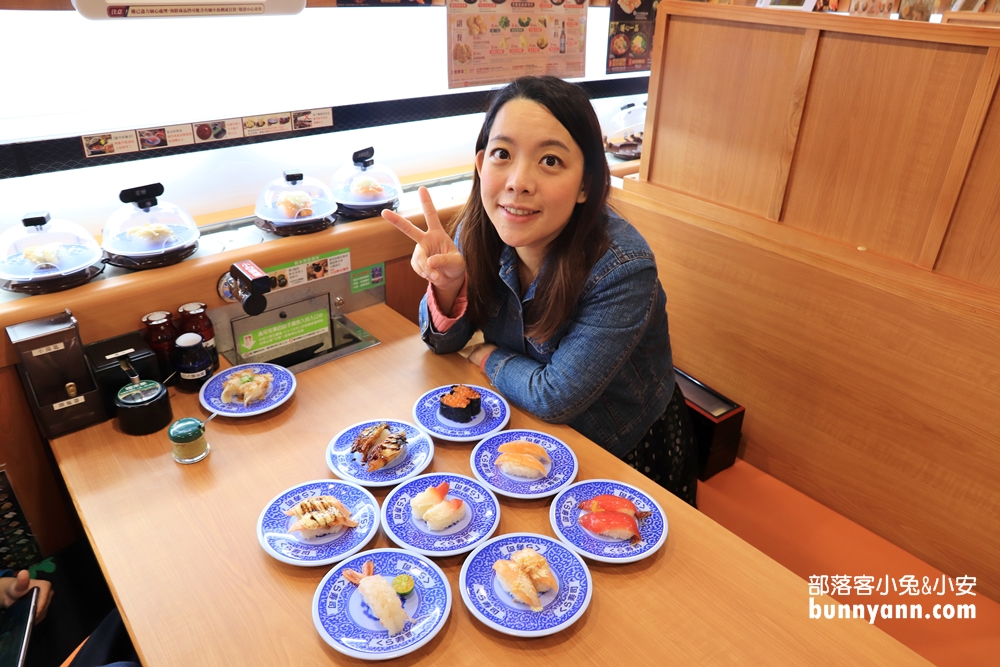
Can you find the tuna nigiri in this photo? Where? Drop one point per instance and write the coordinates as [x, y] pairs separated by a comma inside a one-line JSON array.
[[516, 582], [609, 503], [427, 499], [616, 525], [520, 465], [524, 447], [380, 596], [537, 568]]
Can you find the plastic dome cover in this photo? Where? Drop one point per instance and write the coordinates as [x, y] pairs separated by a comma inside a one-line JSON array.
[[293, 199], [631, 120], [364, 183], [132, 231], [49, 250]]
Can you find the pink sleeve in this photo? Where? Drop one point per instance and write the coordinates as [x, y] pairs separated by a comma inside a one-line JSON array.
[[440, 321]]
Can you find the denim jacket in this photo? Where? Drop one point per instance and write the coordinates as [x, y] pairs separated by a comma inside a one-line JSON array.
[[608, 371]]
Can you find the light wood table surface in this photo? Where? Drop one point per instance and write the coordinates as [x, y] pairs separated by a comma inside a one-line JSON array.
[[178, 547]]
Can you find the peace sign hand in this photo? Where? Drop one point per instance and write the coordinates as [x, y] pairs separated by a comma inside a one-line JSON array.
[[435, 257]]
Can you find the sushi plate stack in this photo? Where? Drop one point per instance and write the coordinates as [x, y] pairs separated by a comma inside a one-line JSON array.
[[485, 597], [417, 455], [493, 415], [570, 508], [478, 520], [290, 547], [347, 622], [560, 464]]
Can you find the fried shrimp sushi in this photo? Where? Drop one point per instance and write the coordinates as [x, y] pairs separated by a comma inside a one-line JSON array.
[[516, 582], [521, 465], [537, 568], [525, 447], [380, 596]]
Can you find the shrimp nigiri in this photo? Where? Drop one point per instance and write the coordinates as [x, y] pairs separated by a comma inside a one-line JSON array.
[[617, 525], [516, 582], [380, 596], [537, 568], [609, 503]]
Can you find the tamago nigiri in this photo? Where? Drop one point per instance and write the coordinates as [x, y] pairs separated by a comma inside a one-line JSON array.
[[380, 596]]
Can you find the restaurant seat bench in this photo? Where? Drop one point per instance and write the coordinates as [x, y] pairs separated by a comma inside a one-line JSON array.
[[810, 539]]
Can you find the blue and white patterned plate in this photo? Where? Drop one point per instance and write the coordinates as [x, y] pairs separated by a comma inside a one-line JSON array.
[[416, 456], [565, 514], [281, 389], [292, 548], [482, 516], [494, 416], [561, 471], [488, 601], [347, 624]]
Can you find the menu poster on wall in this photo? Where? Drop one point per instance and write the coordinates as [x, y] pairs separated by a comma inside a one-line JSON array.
[[490, 42], [630, 36]]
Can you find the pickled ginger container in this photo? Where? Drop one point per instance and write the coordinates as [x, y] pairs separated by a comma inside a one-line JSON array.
[[46, 255], [295, 204], [364, 189], [146, 233]]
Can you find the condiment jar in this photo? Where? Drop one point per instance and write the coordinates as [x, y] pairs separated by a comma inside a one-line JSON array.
[[187, 437], [160, 333], [192, 361], [194, 319]]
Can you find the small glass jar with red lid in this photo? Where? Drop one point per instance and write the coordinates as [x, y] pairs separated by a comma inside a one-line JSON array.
[[161, 333], [194, 319]]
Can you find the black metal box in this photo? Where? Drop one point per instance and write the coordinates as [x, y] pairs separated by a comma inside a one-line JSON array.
[[717, 423]]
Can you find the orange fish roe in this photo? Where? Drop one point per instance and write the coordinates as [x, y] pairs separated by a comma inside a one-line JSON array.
[[460, 396]]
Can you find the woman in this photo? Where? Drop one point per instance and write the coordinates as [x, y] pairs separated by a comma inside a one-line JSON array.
[[564, 290]]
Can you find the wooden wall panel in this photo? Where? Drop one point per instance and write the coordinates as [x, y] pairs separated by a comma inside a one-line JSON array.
[[878, 133], [25, 458], [722, 118], [875, 404], [971, 248]]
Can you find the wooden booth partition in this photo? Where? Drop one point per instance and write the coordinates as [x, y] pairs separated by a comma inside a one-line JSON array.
[[820, 192]]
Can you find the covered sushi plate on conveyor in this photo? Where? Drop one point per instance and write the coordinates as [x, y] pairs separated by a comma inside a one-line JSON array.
[[363, 189], [46, 255], [146, 233], [295, 204]]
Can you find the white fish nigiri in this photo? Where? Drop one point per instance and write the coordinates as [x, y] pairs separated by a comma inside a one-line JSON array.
[[425, 500], [380, 596], [445, 513]]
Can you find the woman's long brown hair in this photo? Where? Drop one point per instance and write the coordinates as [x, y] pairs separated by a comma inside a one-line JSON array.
[[582, 242]]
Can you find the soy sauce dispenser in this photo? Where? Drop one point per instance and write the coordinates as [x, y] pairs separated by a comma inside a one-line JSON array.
[[57, 379]]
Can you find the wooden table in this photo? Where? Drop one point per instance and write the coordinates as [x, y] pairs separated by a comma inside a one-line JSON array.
[[177, 543]]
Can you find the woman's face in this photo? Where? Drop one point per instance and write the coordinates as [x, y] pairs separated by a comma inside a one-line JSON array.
[[531, 175]]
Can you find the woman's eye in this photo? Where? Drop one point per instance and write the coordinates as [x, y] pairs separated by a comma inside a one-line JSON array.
[[501, 154], [551, 161]]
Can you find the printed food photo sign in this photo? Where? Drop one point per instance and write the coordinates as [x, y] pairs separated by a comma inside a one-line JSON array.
[[496, 42], [630, 35]]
